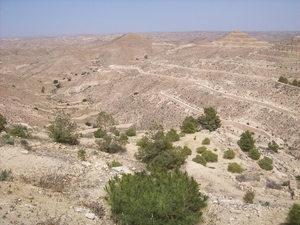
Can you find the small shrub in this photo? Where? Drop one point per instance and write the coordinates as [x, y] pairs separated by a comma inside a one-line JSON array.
[[241, 178], [294, 215], [206, 141], [114, 163], [254, 154], [2, 122], [88, 124], [298, 178], [81, 154], [111, 145], [186, 151], [210, 156], [55, 81], [200, 159], [96, 208], [273, 185], [266, 163], [246, 141], [5, 174], [201, 149], [229, 154], [19, 131], [249, 196], [63, 130], [130, 132], [234, 168], [25, 145], [99, 133], [189, 125], [286, 183], [84, 100], [273, 146], [123, 138]]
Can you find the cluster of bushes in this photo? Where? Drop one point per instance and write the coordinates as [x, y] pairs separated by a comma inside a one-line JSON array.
[[158, 152], [286, 81], [206, 156], [164, 198], [210, 121]]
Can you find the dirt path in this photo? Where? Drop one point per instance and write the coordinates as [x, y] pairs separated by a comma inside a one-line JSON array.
[[199, 82]]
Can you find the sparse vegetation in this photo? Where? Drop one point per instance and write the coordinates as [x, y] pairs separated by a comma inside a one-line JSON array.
[[246, 141], [266, 163], [111, 144], [158, 198], [114, 163], [81, 154], [25, 144], [105, 120], [273, 146], [249, 197], [5, 174], [206, 141], [63, 130], [200, 159], [19, 130], [235, 168], [99, 133], [229, 154], [2, 122]]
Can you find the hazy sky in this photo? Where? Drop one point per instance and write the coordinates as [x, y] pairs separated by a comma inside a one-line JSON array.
[[19, 18]]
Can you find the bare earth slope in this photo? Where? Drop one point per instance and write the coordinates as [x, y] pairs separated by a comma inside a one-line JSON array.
[[145, 79]]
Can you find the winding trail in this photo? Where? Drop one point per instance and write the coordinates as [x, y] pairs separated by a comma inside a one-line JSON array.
[[200, 83]]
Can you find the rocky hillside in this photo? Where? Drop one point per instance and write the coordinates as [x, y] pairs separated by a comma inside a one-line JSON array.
[[141, 80]]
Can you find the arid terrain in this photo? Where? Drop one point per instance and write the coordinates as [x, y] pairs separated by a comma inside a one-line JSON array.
[[142, 79]]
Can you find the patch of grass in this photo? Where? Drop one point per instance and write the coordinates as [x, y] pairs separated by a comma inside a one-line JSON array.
[[285, 183], [114, 163], [54, 182], [5, 175], [81, 154]]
